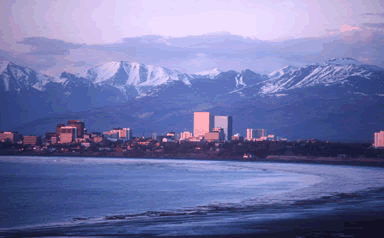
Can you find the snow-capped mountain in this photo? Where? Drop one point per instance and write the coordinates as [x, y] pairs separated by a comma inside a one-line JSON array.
[[332, 72], [17, 78], [123, 75], [330, 98], [208, 73]]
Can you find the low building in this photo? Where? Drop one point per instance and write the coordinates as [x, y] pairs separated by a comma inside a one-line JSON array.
[[253, 134], [168, 139], [212, 136], [7, 136], [379, 139], [30, 140], [185, 135], [221, 133], [97, 139], [171, 134], [237, 137]]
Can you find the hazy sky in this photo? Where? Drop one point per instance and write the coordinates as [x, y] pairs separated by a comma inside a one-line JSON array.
[[99, 22], [95, 22]]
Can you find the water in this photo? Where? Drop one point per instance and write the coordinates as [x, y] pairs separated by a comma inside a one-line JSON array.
[[45, 196]]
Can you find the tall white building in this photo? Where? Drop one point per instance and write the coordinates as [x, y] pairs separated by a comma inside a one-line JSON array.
[[224, 122], [203, 123], [379, 140]]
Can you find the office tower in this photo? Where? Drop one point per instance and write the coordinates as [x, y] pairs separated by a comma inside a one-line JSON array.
[[224, 122], [202, 123], [79, 125], [68, 134], [120, 133], [58, 129], [259, 133], [379, 139]]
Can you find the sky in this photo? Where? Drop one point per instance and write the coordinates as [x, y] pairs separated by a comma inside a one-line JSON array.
[[52, 36]]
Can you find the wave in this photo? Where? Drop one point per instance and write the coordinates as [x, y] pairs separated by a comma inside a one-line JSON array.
[[107, 224]]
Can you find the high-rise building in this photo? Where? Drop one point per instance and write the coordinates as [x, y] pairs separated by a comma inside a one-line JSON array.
[[119, 133], [203, 123], [68, 134], [58, 129], [379, 139], [79, 125], [259, 133], [224, 122]]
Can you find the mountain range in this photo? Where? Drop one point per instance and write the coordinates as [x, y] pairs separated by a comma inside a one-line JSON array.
[[340, 99]]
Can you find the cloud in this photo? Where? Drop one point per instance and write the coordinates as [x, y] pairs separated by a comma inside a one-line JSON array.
[[345, 28], [46, 46], [374, 25], [369, 14], [197, 53]]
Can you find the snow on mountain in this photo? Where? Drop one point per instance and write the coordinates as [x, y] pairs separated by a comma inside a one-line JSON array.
[[282, 71], [3, 66], [209, 73], [100, 73], [124, 75], [239, 81], [18, 78], [334, 71]]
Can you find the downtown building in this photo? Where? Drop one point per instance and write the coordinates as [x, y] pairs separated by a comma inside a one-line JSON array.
[[119, 134], [68, 134], [224, 122], [212, 128], [379, 140], [255, 134], [203, 123]]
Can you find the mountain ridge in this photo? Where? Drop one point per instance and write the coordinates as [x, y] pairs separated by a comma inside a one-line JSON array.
[[286, 100]]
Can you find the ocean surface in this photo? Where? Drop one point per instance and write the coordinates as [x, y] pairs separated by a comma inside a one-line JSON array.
[[69, 196]]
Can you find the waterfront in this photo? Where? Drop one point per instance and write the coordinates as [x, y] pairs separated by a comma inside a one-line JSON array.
[[73, 196]]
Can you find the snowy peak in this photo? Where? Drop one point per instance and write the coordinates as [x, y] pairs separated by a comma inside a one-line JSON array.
[[125, 76], [332, 72], [212, 73], [18, 78], [3, 66], [285, 70]]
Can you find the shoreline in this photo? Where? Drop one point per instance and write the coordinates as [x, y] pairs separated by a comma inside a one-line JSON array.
[[372, 162]]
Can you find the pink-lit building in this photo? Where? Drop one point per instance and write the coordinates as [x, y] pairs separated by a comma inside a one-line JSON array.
[[68, 134], [30, 140], [185, 135], [7, 136], [119, 133], [379, 139], [202, 123]]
